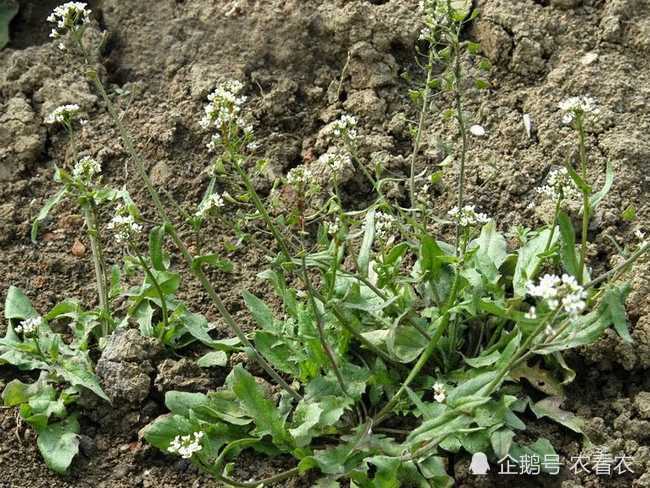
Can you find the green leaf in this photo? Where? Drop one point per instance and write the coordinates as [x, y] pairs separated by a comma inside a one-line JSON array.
[[306, 416], [483, 360], [156, 237], [213, 358], [501, 441], [267, 417], [59, 443], [539, 378], [582, 185], [17, 305], [405, 343], [598, 197], [198, 327], [629, 213], [260, 311], [528, 261], [613, 310], [212, 260], [17, 392], [181, 402], [47, 208], [569, 258], [363, 260], [162, 431], [550, 407], [77, 375], [8, 9]]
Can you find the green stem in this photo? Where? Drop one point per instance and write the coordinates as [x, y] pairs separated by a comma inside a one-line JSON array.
[[558, 206], [90, 217], [586, 210], [161, 295], [197, 271], [425, 355], [458, 98], [418, 135]]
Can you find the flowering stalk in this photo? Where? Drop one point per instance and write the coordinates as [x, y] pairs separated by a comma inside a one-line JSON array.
[[90, 216], [156, 285], [418, 135], [196, 270], [586, 210]]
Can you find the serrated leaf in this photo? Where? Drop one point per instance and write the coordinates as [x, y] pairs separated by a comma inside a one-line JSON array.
[[568, 247], [77, 375], [539, 378], [598, 197], [613, 310], [59, 443], [501, 441], [156, 237], [363, 260], [483, 360], [550, 407], [45, 211], [260, 311], [17, 305], [212, 359], [267, 417], [528, 261], [306, 416], [213, 260]]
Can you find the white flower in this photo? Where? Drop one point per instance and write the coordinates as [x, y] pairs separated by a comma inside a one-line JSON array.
[[252, 146], [299, 177], [346, 126], [70, 16], [385, 226], [468, 216], [29, 326], [215, 142], [558, 185], [225, 106], [333, 227], [124, 226], [186, 445], [531, 314], [577, 105], [63, 114], [213, 202], [555, 291], [85, 169], [477, 130], [439, 392], [337, 162], [423, 194], [640, 235]]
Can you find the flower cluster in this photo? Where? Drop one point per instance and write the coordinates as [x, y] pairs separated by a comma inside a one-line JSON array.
[[29, 326], [225, 107], [213, 202], [186, 445], [439, 392], [337, 162], [346, 127], [124, 226], [71, 16], [299, 177], [334, 226], [86, 169], [565, 291], [468, 216], [385, 225], [64, 114], [559, 185], [435, 13], [423, 195], [577, 105]]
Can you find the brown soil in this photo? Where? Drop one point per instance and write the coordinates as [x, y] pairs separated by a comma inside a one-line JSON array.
[[169, 54]]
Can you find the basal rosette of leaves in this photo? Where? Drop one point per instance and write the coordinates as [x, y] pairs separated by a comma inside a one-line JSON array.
[[379, 318], [391, 348], [47, 404]]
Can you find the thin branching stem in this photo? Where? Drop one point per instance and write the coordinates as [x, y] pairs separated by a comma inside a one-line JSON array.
[[156, 285], [187, 256]]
